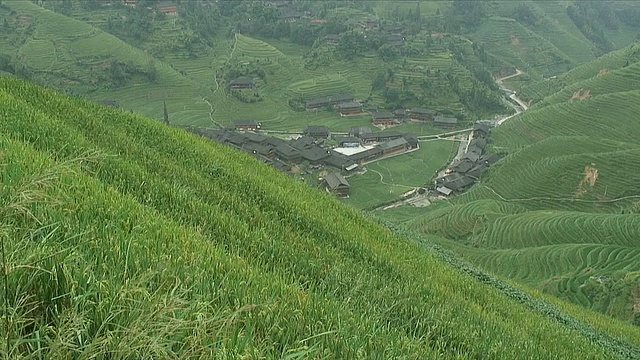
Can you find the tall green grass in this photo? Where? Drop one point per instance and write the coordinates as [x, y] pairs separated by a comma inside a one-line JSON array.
[[159, 244]]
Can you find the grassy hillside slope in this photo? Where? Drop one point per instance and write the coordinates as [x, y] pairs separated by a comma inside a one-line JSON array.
[[560, 212], [124, 238]]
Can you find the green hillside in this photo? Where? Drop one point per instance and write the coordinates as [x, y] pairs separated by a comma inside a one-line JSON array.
[[125, 238], [560, 212]]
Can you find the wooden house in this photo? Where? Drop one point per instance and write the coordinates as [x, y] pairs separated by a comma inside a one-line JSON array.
[[350, 108], [337, 184], [168, 8], [331, 100], [445, 122], [421, 114], [382, 118], [318, 132], [242, 83], [246, 125], [394, 146]]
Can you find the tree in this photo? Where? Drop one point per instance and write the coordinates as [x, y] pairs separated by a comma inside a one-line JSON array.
[[524, 13], [166, 114]]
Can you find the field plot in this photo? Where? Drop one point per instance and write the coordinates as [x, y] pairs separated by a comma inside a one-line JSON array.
[[387, 179]]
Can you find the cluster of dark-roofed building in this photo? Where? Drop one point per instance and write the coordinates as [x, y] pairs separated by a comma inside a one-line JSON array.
[[309, 149], [467, 170], [347, 105]]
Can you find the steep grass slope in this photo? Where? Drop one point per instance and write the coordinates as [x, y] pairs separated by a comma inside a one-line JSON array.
[[560, 212], [124, 238]]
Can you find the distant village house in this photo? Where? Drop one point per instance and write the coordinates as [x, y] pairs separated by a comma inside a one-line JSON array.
[[337, 184], [350, 108], [445, 122], [383, 119], [318, 132], [421, 114], [247, 125], [242, 83], [168, 8]]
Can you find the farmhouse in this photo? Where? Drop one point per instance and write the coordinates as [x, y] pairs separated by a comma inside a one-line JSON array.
[[329, 101], [246, 125], [421, 114], [315, 131], [383, 118], [412, 140], [445, 122], [258, 149], [131, 3], [462, 166], [303, 142], [400, 114], [480, 129], [337, 184], [315, 155], [242, 83], [366, 155], [394, 146], [168, 8], [489, 159], [456, 182], [256, 138], [444, 190], [287, 153], [340, 161], [380, 136], [350, 108], [349, 142], [359, 131], [477, 171], [233, 138], [395, 40]]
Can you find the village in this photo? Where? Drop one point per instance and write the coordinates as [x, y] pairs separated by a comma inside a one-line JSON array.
[[336, 156]]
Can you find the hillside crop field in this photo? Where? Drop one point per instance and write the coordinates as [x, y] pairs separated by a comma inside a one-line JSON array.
[[560, 212], [123, 237]]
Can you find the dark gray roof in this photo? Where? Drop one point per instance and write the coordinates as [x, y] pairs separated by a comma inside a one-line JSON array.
[[302, 142], [393, 143], [365, 154], [484, 128], [479, 142], [275, 142], [445, 120], [332, 99], [472, 156], [382, 115], [338, 160], [234, 138], [315, 153], [382, 135], [412, 139], [287, 151], [457, 182], [256, 138], [257, 149], [350, 105], [474, 149], [423, 111], [462, 166], [477, 170], [335, 180]]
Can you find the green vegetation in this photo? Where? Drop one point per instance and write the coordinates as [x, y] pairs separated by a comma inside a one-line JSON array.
[[559, 214], [387, 179], [124, 237]]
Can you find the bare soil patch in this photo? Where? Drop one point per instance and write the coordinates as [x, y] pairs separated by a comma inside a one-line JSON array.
[[581, 94], [603, 71], [515, 41], [590, 178]]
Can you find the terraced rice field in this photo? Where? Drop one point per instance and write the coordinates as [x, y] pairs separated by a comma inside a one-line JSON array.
[[320, 86], [559, 213], [39, 54], [514, 43]]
